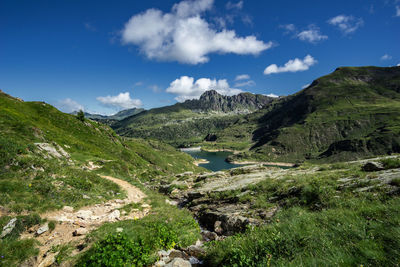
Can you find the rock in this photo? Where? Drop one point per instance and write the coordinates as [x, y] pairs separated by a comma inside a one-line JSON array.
[[42, 229], [178, 262], [68, 209], [85, 196], [80, 231], [48, 261], [120, 229], [84, 214], [173, 253], [372, 167], [171, 202], [119, 201], [9, 227], [195, 251], [159, 264], [218, 227], [209, 236], [114, 215], [195, 261]]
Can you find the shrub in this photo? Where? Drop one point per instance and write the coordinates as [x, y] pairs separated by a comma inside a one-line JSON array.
[[117, 250], [80, 116]]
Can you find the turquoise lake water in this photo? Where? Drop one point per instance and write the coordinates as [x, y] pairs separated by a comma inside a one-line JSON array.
[[216, 159]]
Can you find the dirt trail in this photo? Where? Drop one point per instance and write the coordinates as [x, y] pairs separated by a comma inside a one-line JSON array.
[[72, 226]]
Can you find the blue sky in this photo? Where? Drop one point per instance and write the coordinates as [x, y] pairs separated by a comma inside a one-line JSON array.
[[105, 56]]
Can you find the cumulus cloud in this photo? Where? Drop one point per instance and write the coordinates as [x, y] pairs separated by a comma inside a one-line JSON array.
[[272, 95], [120, 101], [186, 88], [293, 65], [386, 57], [243, 80], [242, 77], [183, 35], [311, 35], [238, 5], [245, 83], [68, 105], [347, 24]]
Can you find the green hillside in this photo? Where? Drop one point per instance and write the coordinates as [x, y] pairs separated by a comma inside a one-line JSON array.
[[49, 159], [187, 123], [353, 112]]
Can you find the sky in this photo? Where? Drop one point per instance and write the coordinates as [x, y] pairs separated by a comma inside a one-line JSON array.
[[106, 56]]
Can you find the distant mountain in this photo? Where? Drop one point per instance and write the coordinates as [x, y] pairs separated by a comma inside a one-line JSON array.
[[191, 121], [352, 112], [241, 103], [118, 116]]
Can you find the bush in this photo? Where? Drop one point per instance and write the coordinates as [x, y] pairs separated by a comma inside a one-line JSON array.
[[80, 116], [118, 250]]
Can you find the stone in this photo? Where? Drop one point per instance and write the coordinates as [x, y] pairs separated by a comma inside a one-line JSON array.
[[195, 251], [84, 214], [114, 215], [80, 231], [218, 227], [48, 261], [173, 253], [178, 262], [68, 209], [372, 167], [9, 227], [209, 236], [159, 264], [171, 202], [42, 229]]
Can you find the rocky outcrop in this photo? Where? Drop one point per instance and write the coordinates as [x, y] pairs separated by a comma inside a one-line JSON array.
[[242, 103]]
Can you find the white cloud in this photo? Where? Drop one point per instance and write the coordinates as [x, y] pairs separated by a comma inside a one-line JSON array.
[[245, 83], [238, 5], [242, 77], [293, 65], [305, 86], [347, 24], [397, 11], [288, 27], [186, 88], [312, 35], [120, 101], [386, 57], [184, 36], [68, 105], [272, 95], [398, 65]]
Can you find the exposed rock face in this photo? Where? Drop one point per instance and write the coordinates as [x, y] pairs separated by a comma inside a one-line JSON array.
[[213, 101]]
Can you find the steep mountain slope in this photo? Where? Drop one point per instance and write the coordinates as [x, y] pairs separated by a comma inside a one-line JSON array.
[[349, 113], [38, 139], [49, 160], [190, 122]]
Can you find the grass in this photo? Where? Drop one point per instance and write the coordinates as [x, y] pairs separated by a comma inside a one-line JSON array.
[[164, 228], [320, 222], [34, 182]]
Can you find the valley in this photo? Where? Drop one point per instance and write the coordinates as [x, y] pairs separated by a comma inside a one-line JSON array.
[[307, 179]]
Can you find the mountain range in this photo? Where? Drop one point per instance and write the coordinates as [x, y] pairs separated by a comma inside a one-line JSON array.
[[352, 112]]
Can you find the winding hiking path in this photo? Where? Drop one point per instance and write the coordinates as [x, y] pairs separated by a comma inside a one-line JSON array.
[[73, 225]]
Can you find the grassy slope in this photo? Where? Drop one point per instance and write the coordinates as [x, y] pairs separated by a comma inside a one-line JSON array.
[[30, 183], [353, 110], [324, 220], [175, 125]]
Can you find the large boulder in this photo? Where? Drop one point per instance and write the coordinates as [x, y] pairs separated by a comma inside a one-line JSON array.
[[372, 167]]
